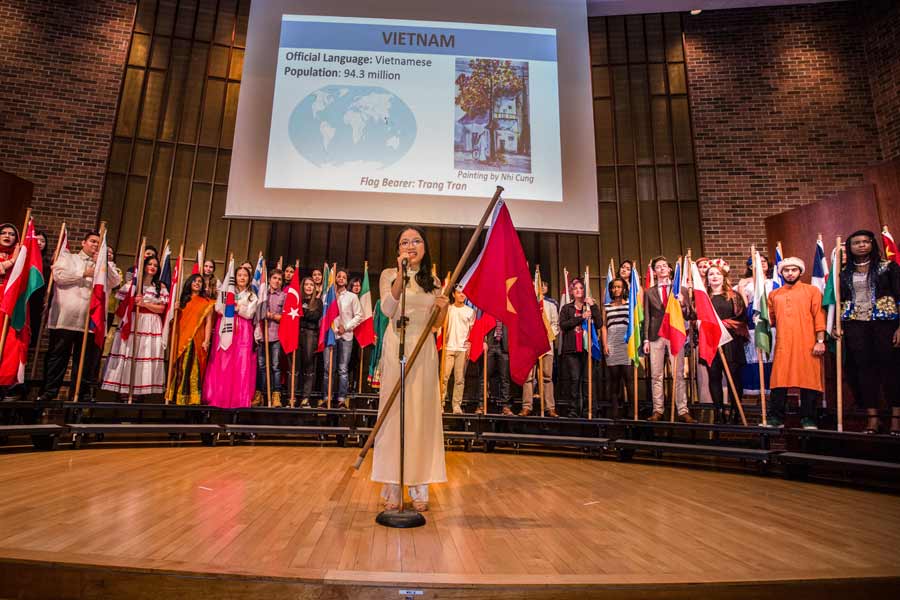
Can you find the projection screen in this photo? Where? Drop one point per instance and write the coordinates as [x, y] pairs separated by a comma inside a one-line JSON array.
[[408, 111]]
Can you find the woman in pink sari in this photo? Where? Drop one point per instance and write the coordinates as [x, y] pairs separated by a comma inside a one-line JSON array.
[[231, 376]]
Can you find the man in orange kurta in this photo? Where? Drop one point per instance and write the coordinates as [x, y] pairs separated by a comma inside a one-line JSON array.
[[795, 310]]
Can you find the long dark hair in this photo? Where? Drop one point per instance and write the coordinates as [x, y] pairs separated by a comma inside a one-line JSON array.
[[423, 277], [186, 292], [874, 257], [155, 280], [313, 299]]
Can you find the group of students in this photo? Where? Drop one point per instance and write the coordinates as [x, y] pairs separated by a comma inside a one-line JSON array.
[[234, 375], [204, 370], [870, 325]]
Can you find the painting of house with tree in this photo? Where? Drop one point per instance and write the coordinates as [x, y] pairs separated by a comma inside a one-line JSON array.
[[492, 130]]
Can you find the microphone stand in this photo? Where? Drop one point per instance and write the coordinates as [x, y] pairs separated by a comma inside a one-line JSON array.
[[399, 518]]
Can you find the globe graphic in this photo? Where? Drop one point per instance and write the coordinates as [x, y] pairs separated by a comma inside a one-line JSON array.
[[340, 125]]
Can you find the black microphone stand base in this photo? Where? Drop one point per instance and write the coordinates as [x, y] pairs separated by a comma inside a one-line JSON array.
[[400, 519]]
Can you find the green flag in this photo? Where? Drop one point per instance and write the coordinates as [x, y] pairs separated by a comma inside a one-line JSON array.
[[763, 328]]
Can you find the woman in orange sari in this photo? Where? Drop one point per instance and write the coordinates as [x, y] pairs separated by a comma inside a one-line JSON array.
[[192, 343]]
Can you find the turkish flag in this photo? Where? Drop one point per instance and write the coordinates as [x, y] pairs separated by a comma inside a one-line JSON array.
[[289, 326], [499, 283]]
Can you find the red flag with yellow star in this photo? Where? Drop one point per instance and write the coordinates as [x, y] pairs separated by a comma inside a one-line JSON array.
[[500, 285]]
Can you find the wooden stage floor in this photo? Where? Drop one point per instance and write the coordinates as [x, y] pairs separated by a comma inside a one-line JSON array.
[[295, 522]]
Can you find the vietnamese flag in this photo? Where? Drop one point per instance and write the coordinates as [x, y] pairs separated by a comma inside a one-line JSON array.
[[499, 283], [289, 326], [365, 331], [25, 278]]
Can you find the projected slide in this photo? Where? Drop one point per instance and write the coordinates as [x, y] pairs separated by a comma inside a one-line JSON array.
[[415, 107]]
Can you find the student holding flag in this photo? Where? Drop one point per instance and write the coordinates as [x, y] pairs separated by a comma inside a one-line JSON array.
[[619, 370], [574, 362], [73, 275], [424, 456], [460, 320], [550, 313], [732, 312], [21, 280], [148, 348], [343, 313], [271, 303], [747, 289], [231, 376], [665, 311], [796, 309], [191, 342], [310, 317], [870, 297]]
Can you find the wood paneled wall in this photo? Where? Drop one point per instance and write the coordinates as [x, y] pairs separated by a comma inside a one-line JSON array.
[[168, 166]]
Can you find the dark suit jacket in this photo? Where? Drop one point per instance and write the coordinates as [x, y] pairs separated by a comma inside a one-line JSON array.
[[654, 312], [568, 322], [504, 340]]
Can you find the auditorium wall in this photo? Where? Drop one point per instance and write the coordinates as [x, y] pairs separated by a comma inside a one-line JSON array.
[[778, 106], [60, 73], [882, 44], [783, 111]]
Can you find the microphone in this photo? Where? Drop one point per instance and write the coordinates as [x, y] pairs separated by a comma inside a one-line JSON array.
[[405, 263]]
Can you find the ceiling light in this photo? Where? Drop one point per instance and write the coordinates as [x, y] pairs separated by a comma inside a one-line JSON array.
[[696, 11]]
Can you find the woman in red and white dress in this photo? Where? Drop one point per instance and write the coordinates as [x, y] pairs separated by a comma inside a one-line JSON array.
[[149, 370]]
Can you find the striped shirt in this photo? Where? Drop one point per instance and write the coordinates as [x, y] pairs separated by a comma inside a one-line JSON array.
[[616, 327]]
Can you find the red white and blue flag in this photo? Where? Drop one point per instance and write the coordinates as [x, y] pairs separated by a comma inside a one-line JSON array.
[[226, 305]]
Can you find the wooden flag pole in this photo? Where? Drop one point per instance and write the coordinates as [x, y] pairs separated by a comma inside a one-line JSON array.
[[691, 362], [731, 386], [3, 335], [293, 374], [87, 320], [45, 309], [762, 387], [265, 325], [484, 385], [362, 356], [590, 355], [173, 334], [330, 375], [25, 275], [541, 383], [443, 366], [673, 363], [426, 332], [634, 392], [839, 345], [759, 354], [138, 293]]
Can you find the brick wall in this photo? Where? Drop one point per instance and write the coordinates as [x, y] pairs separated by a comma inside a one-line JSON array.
[[882, 44], [782, 114], [60, 71]]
